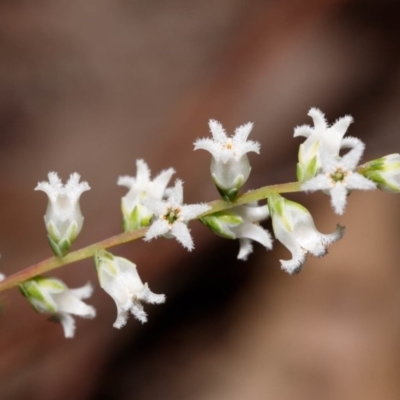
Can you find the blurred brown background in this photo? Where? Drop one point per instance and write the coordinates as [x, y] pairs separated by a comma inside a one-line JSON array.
[[90, 86]]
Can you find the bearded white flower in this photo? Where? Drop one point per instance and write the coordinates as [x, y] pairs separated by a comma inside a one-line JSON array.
[[120, 279], [63, 218], [294, 227], [384, 171], [135, 214], [51, 295], [230, 166], [171, 216], [339, 175], [241, 223], [321, 135]]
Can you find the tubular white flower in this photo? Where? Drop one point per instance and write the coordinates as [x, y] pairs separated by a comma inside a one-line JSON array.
[[120, 279], [321, 135], [338, 175], [329, 136], [63, 218], [171, 216], [51, 295], [135, 214], [241, 223], [384, 171], [230, 166], [294, 227]]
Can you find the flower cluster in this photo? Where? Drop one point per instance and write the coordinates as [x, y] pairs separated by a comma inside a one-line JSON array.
[[151, 204], [292, 224], [148, 202]]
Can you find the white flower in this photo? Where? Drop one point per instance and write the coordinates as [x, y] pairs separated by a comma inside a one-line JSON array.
[[294, 227], [384, 171], [51, 295], [230, 167], [171, 216], [329, 136], [339, 175], [241, 223], [120, 279], [63, 217], [321, 135], [135, 214]]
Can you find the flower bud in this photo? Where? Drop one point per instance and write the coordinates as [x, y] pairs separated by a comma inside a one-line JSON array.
[[308, 165], [222, 223], [384, 171]]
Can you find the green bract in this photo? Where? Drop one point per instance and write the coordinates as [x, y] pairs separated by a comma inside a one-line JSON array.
[[221, 223], [308, 165], [243, 223], [37, 291]]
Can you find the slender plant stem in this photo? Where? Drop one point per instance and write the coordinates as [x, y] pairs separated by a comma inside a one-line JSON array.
[[54, 262], [253, 195]]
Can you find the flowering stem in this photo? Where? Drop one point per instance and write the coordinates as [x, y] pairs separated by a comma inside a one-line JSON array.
[[55, 262], [253, 195]]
